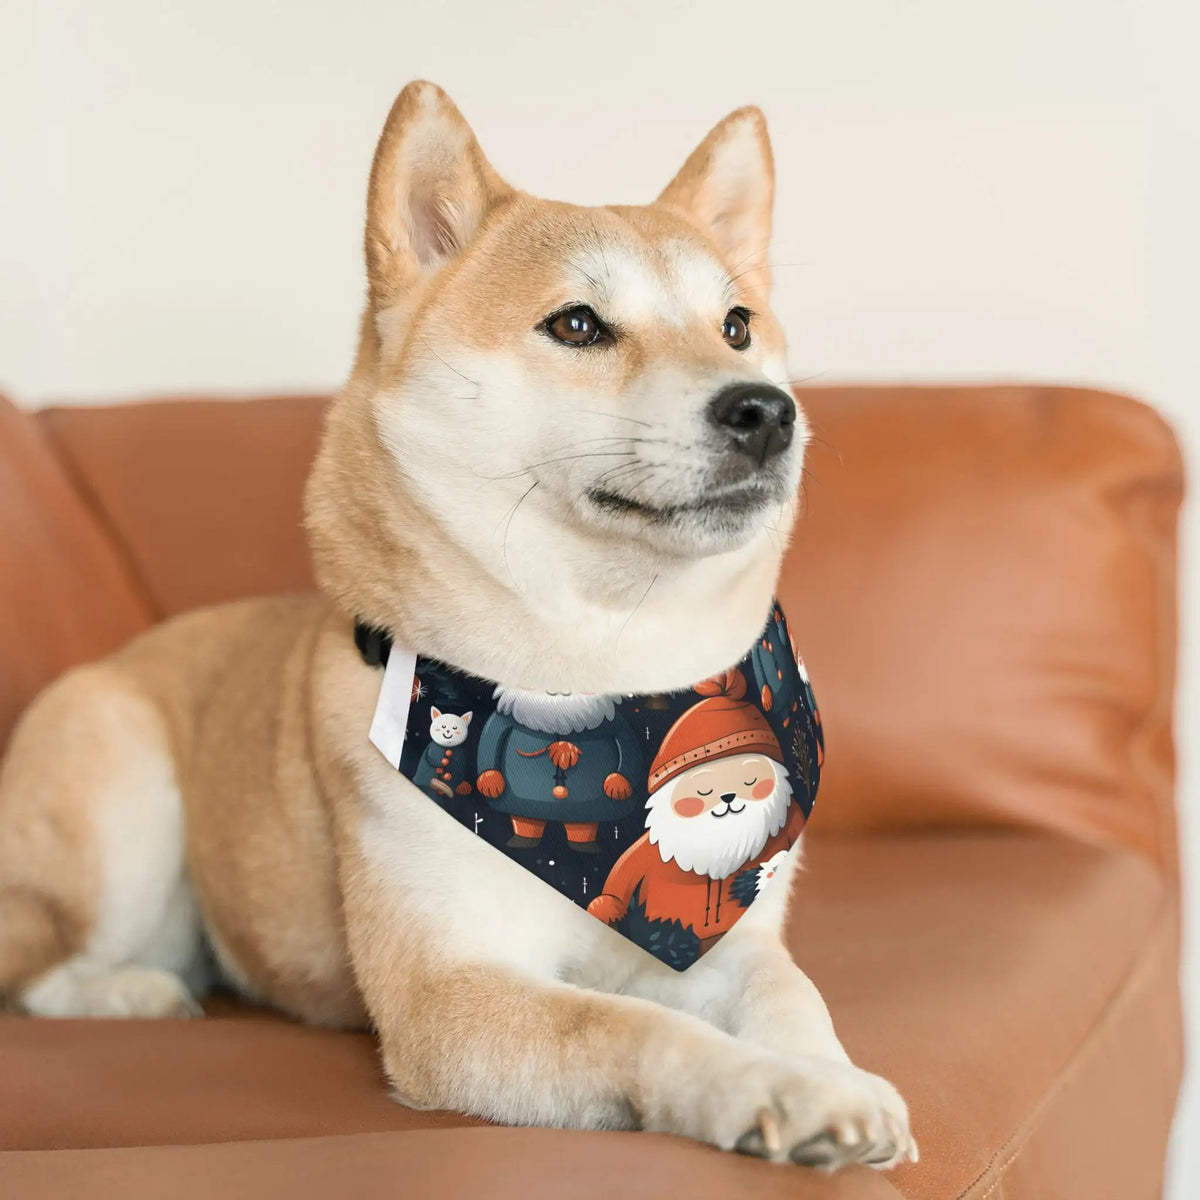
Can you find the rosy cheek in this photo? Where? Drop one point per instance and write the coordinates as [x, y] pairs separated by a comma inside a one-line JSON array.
[[688, 806], [763, 789]]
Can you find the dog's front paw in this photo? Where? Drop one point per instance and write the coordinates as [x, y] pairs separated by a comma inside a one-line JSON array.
[[818, 1112], [866, 1122]]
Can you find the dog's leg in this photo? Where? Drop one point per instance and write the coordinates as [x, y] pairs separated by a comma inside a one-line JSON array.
[[748, 986], [488, 1041], [96, 917], [462, 976], [754, 992]]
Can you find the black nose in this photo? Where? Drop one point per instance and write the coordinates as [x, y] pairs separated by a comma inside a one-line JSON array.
[[729, 797], [758, 419]]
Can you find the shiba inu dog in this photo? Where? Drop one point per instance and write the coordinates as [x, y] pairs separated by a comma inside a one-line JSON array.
[[564, 461]]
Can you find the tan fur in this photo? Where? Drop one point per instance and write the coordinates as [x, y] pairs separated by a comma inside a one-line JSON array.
[[217, 771]]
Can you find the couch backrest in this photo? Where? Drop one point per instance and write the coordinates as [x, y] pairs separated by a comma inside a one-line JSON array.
[[206, 493], [982, 585], [65, 593]]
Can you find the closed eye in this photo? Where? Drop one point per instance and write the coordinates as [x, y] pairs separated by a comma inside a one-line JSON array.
[[700, 793], [750, 782]]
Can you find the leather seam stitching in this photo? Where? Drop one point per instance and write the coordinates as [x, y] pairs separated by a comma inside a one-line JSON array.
[[1029, 1126]]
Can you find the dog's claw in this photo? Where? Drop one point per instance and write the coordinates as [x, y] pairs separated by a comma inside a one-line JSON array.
[[768, 1125]]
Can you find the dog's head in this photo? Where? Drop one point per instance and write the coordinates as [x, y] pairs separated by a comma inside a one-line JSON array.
[[601, 387]]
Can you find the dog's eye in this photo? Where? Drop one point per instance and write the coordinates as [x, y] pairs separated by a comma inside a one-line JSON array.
[[575, 326], [749, 782], [736, 330], [700, 793]]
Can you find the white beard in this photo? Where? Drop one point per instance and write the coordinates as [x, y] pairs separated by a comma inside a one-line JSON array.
[[554, 712], [717, 847]]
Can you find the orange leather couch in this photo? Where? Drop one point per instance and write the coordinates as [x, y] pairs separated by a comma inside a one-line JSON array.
[[984, 589]]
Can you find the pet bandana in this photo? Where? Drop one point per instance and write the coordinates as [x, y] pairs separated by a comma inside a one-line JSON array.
[[663, 815]]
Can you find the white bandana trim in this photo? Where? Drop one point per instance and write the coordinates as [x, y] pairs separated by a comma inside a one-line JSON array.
[[390, 723]]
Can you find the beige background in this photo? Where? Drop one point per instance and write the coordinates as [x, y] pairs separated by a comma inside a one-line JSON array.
[[967, 190]]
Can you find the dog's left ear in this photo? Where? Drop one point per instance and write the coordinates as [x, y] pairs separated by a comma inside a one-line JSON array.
[[727, 185]]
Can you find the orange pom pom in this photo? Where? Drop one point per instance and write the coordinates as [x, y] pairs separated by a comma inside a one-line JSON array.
[[732, 684], [563, 755]]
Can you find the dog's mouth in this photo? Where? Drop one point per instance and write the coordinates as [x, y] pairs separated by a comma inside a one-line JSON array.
[[734, 502], [728, 809]]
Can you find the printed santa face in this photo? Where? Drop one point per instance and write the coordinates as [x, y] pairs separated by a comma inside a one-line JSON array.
[[716, 816]]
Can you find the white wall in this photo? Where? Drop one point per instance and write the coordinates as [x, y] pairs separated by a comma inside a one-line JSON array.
[[966, 189]]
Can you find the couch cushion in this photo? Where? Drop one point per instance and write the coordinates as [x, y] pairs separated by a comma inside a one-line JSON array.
[[480, 1164], [983, 586], [1019, 989], [206, 493], [65, 595]]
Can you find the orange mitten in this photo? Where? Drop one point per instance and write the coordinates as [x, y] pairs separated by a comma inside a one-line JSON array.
[[490, 784], [616, 787], [607, 908]]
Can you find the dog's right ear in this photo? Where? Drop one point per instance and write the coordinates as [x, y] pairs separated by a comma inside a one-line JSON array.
[[430, 189], [728, 186]]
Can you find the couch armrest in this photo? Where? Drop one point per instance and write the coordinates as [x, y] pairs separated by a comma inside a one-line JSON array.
[[65, 594]]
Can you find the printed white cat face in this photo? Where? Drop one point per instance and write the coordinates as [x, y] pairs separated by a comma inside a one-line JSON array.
[[446, 729]]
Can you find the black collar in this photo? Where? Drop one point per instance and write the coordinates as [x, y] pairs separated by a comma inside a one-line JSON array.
[[374, 643]]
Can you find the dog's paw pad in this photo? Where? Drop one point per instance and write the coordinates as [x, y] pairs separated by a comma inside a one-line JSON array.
[[752, 1143], [820, 1151]]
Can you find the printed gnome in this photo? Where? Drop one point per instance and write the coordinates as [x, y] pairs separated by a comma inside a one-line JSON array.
[[720, 816], [562, 757]]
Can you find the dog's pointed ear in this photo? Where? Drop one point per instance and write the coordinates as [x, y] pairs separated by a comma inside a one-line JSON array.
[[430, 189], [727, 185]]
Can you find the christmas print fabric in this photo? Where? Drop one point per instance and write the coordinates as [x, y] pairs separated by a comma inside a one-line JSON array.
[[663, 815]]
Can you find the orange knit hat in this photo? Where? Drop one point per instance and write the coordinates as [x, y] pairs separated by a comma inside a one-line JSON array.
[[720, 725]]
